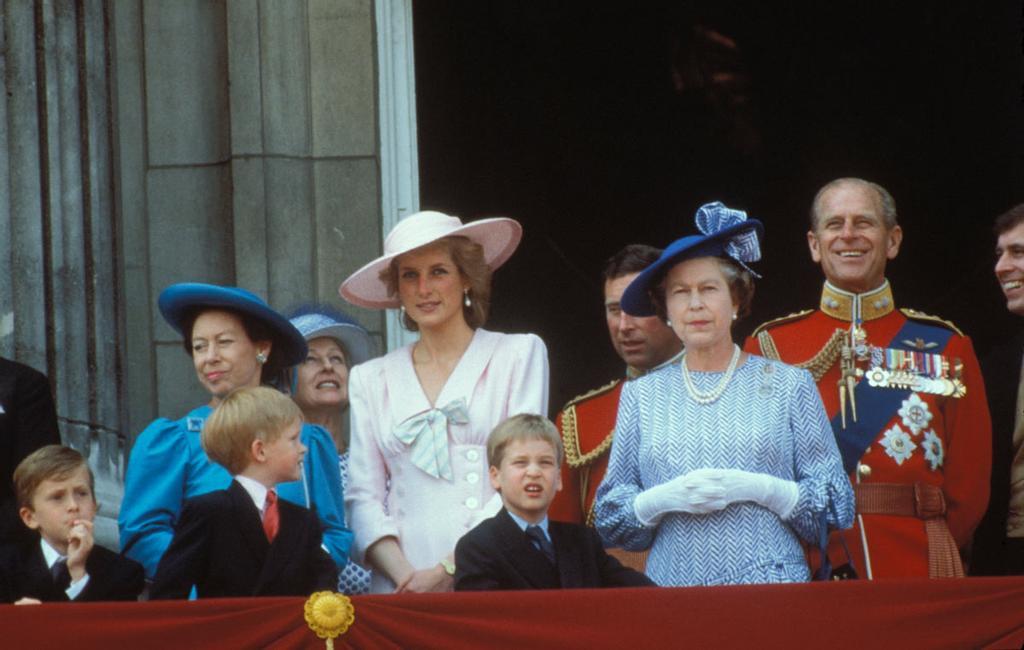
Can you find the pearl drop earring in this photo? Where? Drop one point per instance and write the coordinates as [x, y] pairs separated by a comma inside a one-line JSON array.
[[466, 301]]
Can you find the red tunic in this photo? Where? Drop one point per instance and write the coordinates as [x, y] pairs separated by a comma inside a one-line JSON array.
[[897, 545], [587, 424]]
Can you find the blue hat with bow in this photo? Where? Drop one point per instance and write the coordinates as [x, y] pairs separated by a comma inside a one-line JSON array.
[[724, 232], [179, 302]]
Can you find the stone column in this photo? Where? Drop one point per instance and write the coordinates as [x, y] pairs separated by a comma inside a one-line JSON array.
[[303, 147], [58, 234]]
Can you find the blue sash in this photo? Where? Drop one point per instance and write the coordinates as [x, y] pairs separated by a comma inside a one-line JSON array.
[[876, 406]]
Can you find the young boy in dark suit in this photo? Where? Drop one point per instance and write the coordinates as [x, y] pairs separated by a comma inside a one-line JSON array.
[[519, 548], [54, 488], [243, 541]]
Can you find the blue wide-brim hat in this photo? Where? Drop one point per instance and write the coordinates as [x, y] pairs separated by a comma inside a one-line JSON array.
[[724, 233], [178, 301], [355, 340]]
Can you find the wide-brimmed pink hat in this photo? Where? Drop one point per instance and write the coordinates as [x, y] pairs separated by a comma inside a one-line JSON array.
[[499, 237]]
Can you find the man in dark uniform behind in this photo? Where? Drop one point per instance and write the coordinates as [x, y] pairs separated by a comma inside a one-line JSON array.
[[587, 422]]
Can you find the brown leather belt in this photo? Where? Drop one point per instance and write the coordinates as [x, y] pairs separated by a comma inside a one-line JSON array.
[[925, 502]]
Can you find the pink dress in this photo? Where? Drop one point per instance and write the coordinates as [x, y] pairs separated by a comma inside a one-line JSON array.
[[418, 472]]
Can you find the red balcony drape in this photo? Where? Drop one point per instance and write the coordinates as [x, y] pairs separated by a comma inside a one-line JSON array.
[[966, 613]]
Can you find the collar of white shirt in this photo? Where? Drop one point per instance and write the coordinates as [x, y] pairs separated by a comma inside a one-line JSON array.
[[50, 554], [522, 523], [257, 491]]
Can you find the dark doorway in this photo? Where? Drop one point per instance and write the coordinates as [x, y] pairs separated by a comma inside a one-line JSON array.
[[597, 126]]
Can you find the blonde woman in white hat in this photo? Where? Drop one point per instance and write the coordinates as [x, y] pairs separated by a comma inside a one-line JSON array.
[[420, 416]]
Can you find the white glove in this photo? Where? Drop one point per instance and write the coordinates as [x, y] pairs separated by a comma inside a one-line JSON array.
[[776, 494], [697, 492]]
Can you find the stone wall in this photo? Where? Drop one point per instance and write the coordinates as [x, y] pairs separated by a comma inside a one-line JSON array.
[[58, 229], [147, 142]]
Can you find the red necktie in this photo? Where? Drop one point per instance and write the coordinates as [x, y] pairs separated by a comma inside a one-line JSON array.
[[271, 517]]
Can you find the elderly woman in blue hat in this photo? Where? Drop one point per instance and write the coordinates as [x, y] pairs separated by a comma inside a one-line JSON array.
[[723, 463], [235, 341], [319, 385]]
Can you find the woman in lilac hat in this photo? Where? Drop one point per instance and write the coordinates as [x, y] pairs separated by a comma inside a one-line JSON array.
[[235, 340], [421, 414], [319, 383], [319, 386]]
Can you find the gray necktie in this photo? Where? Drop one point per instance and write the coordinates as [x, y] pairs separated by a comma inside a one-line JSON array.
[[60, 573], [540, 540]]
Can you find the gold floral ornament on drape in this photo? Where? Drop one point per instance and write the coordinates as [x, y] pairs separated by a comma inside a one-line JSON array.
[[329, 614]]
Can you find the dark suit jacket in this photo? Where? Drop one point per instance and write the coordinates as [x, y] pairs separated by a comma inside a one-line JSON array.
[[23, 572], [29, 421], [220, 547], [991, 552], [497, 555]]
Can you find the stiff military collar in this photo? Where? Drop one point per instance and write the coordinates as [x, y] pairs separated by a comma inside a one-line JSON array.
[[847, 306], [633, 373]]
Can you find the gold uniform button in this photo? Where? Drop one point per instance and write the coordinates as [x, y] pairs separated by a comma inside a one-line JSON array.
[[864, 470]]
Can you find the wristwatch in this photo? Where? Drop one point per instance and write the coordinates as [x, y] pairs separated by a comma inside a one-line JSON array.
[[448, 566]]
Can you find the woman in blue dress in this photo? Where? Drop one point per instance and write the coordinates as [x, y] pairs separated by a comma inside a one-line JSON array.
[[235, 341], [723, 463], [319, 386]]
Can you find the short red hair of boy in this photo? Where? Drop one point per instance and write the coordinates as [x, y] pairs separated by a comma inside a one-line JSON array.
[[245, 415]]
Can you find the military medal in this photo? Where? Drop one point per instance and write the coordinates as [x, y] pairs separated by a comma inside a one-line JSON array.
[[922, 372]]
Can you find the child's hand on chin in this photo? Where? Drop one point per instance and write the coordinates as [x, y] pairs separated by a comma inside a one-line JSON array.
[[80, 543]]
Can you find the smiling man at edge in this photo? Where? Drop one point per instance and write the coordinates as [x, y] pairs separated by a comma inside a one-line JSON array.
[[998, 547]]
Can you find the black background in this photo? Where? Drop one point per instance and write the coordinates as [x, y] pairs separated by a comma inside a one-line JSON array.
[[564, 115]]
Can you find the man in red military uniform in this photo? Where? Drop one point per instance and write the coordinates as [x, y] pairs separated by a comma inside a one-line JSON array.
[[587, 422], [903, 390]]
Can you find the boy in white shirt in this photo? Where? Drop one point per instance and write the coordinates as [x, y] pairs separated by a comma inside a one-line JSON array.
[[243, 541]]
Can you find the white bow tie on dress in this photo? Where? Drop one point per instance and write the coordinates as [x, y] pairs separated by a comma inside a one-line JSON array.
[[427, 435]]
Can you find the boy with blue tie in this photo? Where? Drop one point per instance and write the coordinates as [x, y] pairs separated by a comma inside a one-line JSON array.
[[243, 541], [55, 493], [520, 548]]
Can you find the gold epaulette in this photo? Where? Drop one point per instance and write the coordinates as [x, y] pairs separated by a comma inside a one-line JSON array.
[[574, 456], [916, 315], [592, 393], [778, 321]]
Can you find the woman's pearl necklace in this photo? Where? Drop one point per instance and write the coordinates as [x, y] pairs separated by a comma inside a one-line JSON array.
[[706, 398]]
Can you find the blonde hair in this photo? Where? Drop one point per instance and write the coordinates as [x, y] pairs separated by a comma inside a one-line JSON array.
[[49, 463], [518, 428], [245, 415], [468, 257]]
